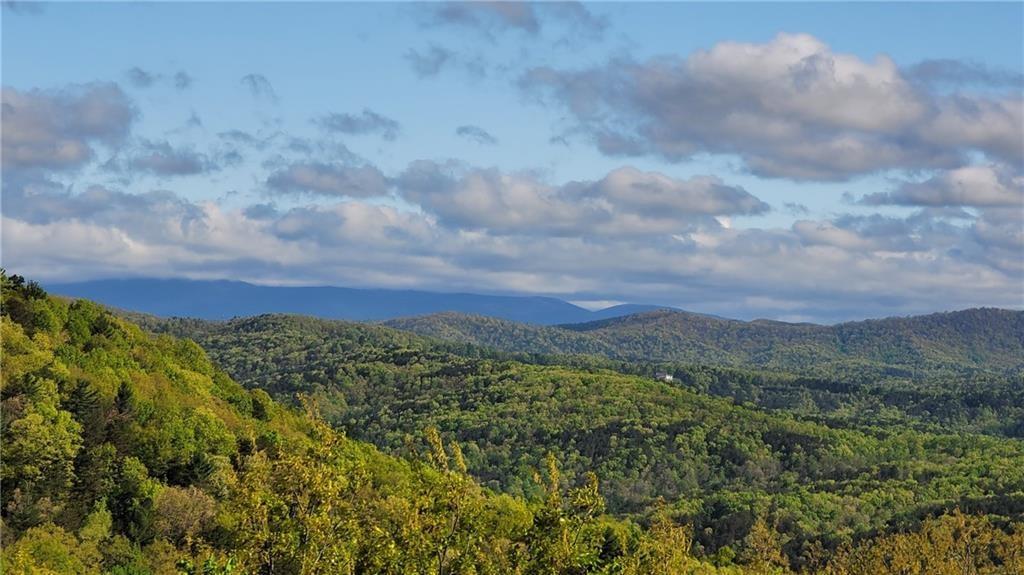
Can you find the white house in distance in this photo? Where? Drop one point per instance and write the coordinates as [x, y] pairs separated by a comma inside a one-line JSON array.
[[661, 375]]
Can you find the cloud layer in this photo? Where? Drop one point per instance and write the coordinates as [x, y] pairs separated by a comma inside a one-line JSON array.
[[86, 195], [815, 269]]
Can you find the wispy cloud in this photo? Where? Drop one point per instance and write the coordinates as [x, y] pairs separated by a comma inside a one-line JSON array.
[[142, 79], [259, 86], [476, 134], [329, 180], [366, 122]]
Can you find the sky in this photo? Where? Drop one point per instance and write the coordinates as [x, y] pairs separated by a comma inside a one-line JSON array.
[[795, 161]]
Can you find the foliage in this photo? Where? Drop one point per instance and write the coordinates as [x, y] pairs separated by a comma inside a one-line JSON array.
[[129, 453], [720, 466], [982, 338], [150, 461]]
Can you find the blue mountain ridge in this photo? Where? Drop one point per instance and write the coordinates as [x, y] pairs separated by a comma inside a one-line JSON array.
[[222, 299]]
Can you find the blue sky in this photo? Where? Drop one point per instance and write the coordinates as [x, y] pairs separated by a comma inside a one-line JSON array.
[[877, 169]]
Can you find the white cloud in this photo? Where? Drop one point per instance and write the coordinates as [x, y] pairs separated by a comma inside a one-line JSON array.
[[625, 202], [978, 186], [791, 107], [57, 129], [829, 269], [625, 235]]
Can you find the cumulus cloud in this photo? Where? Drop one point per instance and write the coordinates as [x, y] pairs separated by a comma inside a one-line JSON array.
[[918, 233], [144, 216], [476, 134], [329, 180], [994, 194], [790, 107], [994, 126], [57, 129], [989, 185], [366, 122], [877, 265], [1000, 232], [624, 235], [626, 201], [654, 194]]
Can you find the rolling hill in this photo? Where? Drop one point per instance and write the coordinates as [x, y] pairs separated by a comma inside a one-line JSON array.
[[714, 463], [982, 339], [126, 452]]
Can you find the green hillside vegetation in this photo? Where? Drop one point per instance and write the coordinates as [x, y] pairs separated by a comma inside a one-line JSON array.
[[976, 401], [708, 462], [975, 339], [125, 453], [128, 453], [958, 371]]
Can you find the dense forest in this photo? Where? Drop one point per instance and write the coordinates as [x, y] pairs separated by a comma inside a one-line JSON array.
[[126, 453], [131, 453], [989, 401], [657, 446], [951, 371], [975, 339]]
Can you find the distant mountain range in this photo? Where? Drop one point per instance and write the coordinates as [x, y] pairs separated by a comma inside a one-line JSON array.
[[981, 338], [227, 299]]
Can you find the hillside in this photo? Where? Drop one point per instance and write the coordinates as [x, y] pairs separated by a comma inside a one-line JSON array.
[[978, 339], [989, 403], [131, 453], [717, 464], [127, 453], [227, 299]]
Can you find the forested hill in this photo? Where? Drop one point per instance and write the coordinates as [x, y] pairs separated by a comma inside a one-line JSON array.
[[715, 464], [128, 453], [261, 351], [983, 338]]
